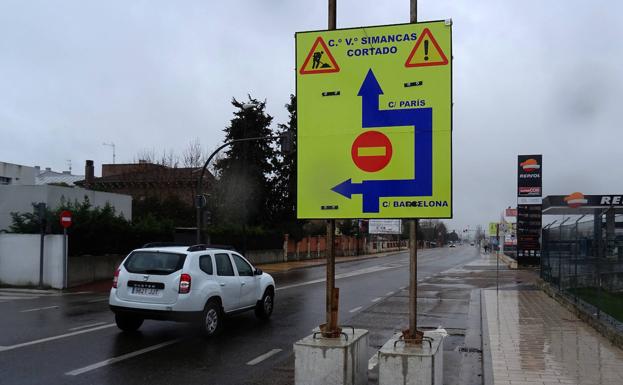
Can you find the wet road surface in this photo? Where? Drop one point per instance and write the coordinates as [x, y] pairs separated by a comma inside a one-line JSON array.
[[72, 339]]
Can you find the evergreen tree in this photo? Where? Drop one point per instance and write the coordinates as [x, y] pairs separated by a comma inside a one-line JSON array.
[[284, 179], [244, 173]]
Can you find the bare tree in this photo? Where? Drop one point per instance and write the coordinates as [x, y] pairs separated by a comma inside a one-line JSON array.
[[169, 159], [147, 155], [193, 156]]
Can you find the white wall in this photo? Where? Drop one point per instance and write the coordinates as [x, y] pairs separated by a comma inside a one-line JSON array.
[[19, 260], [20, 198]]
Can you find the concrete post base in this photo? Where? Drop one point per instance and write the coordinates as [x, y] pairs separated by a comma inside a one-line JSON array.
[[335, 361], [412, 365]]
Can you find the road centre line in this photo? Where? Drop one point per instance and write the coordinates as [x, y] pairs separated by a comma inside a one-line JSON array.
[[389, 293], [38, 309], [377, 299], [263, 357], [355, 309], [367, 270], [122, 357], [86, 326], [42, 340]]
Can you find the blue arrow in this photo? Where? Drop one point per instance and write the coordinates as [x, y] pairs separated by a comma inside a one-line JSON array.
[[372, 116]]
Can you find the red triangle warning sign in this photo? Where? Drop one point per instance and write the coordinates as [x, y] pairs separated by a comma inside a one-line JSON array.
[[319, 60], [426, 52]]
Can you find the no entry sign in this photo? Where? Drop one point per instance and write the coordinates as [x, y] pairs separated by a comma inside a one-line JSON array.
[[371, 151], [66, 218]]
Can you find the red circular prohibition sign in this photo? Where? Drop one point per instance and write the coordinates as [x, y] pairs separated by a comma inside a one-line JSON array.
[[371, 151]]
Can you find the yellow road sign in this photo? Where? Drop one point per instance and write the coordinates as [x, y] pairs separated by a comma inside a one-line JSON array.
[[375, 122], [493, 229]]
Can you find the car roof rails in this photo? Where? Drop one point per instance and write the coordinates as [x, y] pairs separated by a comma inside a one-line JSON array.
[[163, 244], [203, 246]]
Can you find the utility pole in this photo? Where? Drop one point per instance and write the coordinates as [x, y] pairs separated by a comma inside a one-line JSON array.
[[114, 155], [412, 334], [331, 329]]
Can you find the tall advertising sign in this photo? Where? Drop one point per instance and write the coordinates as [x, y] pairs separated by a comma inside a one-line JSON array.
[[529, 193]]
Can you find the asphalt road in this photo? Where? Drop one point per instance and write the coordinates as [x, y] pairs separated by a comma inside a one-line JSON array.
[[72, 338]]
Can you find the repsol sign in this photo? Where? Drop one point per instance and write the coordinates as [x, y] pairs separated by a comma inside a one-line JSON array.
[[611, 200]]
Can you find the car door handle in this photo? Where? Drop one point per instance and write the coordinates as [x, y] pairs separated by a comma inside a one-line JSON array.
[[222, 284]]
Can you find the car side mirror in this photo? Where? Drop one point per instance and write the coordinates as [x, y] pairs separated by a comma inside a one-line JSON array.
[[258, 271]]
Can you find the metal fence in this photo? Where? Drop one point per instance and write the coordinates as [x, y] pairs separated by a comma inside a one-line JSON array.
[[585, 267]]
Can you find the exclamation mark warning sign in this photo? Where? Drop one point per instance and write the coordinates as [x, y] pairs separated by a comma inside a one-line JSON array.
[[426, 52]]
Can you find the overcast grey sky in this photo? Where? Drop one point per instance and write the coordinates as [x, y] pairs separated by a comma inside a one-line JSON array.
[[529, 77]]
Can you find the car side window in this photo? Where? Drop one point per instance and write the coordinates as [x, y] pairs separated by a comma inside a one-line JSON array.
[[205, 264], [223, 265], [244, 269]]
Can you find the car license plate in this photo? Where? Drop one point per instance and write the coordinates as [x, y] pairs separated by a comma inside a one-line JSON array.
[[146, 291]]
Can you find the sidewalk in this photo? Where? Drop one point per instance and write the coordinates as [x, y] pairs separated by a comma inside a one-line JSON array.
[[533, 340], [287, 266]]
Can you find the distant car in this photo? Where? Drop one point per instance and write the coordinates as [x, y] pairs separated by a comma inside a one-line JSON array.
[[189, 284], [471, 244], [451, 244]]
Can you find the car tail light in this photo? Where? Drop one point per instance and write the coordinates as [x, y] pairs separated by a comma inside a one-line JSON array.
[[115, 278], [184, 284]]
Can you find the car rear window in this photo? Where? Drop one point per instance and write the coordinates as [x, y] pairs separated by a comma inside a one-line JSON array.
[[153, 262]]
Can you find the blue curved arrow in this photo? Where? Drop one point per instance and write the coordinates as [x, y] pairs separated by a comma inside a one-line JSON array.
[[373, 116]]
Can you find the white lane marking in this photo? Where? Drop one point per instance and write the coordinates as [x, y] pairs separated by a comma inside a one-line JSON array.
[[372, 362], [403, 287], [389, 293], [42, 340], [13, 298], [38, 308], [263, 357], [355, 309], [367, 270], [377, 299], [122, 357], [98, 300], [86, 326], [74, 293], [29, 291]]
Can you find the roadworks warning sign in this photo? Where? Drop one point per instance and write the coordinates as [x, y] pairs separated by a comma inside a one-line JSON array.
[[319, 59]]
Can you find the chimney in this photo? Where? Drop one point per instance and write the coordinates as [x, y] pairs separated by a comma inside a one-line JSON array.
[[89, 174]]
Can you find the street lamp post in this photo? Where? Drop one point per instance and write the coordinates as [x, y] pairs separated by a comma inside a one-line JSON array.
[[200, 201]]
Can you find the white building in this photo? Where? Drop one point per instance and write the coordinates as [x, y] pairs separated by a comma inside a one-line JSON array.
[[16, 174], [21, 186]]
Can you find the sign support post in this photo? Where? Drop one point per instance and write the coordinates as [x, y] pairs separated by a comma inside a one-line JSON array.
[[66, 222], [413, 334], [64, 258], [332, 293]]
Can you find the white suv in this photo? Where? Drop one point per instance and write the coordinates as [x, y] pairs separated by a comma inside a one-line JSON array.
[[192, 284]]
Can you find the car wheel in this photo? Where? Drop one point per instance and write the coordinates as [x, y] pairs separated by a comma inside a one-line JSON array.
[[128, 323], [264, 307], [212, 320]]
